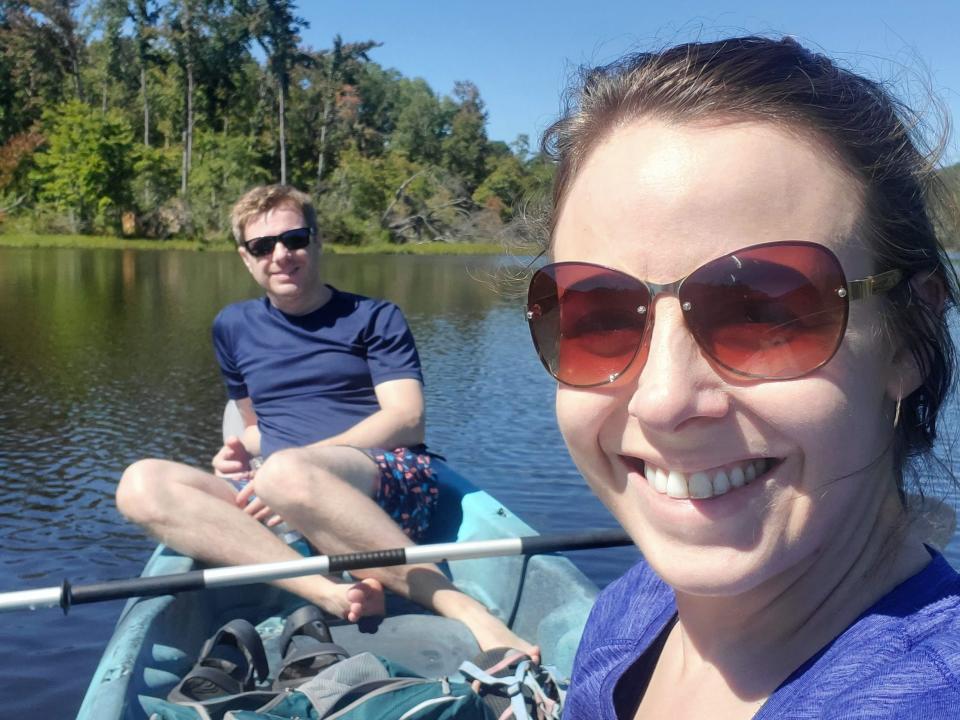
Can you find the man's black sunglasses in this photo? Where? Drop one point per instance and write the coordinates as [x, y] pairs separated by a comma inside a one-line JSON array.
[[295, 239]]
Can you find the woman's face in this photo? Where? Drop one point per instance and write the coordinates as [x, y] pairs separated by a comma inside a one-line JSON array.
[[656, 201]]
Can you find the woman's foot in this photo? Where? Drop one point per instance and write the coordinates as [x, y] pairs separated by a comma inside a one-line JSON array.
[[490, 632]]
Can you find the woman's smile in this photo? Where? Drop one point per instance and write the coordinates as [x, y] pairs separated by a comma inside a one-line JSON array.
[[701, 484]]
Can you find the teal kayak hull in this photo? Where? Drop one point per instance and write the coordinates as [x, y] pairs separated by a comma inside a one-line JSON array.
[[545, 599]]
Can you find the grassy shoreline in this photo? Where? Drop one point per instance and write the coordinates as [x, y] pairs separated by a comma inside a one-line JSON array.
[[100, 242]]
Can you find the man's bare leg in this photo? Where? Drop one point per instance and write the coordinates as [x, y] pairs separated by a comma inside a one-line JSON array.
[[326, 493], [194, 513]]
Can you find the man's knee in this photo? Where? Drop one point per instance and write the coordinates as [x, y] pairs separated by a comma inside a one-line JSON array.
[[281, 479], [295, 476], [138, 489]]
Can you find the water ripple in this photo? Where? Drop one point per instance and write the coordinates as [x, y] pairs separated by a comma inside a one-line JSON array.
[[123, 369]]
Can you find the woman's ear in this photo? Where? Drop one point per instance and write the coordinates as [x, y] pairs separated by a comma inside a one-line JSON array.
[[907, 375], [930, 289]]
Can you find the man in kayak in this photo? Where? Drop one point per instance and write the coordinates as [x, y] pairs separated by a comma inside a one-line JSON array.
[[329, 387]]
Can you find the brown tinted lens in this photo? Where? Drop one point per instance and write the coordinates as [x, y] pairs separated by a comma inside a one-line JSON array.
[[770, 311], [584, 321]]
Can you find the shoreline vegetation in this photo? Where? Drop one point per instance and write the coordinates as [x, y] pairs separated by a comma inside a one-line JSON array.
[[103, 242], [147, 119]]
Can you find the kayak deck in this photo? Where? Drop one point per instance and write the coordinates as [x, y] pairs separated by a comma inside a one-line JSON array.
[[545, 599]]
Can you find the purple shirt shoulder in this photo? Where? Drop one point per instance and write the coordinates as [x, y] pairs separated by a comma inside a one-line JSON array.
[[900, 659]]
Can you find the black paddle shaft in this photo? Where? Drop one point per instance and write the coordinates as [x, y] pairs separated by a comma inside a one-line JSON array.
[[134, 587], [589, 540]]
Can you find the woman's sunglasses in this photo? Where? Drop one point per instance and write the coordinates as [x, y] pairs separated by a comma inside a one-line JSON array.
[[295, 239], [771, 311]]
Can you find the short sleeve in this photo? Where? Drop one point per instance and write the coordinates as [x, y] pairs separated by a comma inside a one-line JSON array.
[[391, 350], [223, 347]]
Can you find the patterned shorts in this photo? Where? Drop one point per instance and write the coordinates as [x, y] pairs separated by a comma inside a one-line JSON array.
[[408, 490]]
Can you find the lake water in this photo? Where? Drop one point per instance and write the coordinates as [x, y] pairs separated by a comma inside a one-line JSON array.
[[105, 357]]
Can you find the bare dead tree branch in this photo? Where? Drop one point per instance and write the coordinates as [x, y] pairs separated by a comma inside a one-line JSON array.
[[8, 208], [398, 195], [424, 217]]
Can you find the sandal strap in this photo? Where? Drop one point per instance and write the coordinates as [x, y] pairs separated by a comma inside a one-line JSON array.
[[304, 621], [246, 638], [311, 651], [224, 683]]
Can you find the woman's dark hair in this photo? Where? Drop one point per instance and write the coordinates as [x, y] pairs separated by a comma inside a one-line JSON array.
[[867, 130]]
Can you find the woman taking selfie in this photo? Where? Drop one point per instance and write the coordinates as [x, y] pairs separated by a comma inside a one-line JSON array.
[[745, 312]]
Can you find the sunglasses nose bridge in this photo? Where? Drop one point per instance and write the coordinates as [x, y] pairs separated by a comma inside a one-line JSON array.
[[656, 290], [279, 246]]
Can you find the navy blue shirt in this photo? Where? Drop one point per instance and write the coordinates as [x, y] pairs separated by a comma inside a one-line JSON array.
[[312, 376], [900, 659]]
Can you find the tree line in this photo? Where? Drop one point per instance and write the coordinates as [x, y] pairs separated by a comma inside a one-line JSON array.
[[151, 118]]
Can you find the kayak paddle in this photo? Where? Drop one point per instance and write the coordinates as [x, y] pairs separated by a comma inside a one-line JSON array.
[[65, 595]]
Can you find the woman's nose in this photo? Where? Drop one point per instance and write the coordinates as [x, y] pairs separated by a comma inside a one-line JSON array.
[[676, 383]]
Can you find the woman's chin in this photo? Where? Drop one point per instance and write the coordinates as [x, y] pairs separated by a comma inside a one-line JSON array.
[[706, 580], [715, 566]]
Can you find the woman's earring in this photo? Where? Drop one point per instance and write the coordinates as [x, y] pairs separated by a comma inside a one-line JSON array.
[[896, 413]]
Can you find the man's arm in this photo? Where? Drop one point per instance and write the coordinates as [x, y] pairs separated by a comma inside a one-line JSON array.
[[251, 433], [398, 423], [237, 451]]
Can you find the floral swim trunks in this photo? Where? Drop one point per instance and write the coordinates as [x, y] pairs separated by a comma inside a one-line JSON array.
[[408, 490]]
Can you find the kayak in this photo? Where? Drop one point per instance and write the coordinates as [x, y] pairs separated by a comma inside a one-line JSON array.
[[543, 598]]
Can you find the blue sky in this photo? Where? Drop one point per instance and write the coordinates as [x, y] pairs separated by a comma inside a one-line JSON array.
[[520, 54]]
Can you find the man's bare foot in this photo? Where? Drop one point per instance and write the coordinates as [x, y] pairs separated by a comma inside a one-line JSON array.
[[366, 599], [354, 601]]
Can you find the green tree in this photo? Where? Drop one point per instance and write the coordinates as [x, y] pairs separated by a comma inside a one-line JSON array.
[[337, 67], [503, 189], [62, 36], [422, 121], [16, 156], [363, 191], [379, 90], [183, 33], [86, 169], [277, 29], [224, 64], [156, 173], [947, 209], [145, 16], [465, 147], [521, 147], [390, 157], [40, 50], [225, 168]]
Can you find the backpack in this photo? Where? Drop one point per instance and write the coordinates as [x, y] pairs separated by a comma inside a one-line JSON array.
[[366, 687]]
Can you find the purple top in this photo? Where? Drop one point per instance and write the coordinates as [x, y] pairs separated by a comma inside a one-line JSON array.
[[900, 659], [312, 376]]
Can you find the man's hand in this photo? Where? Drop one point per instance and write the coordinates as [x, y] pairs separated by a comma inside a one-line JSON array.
[[232, 459], [254, 506]]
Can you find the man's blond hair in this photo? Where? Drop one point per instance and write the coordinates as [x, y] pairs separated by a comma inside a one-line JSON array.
[[265, 198]]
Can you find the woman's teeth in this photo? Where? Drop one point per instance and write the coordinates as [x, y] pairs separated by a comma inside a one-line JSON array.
[[704, 484]]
